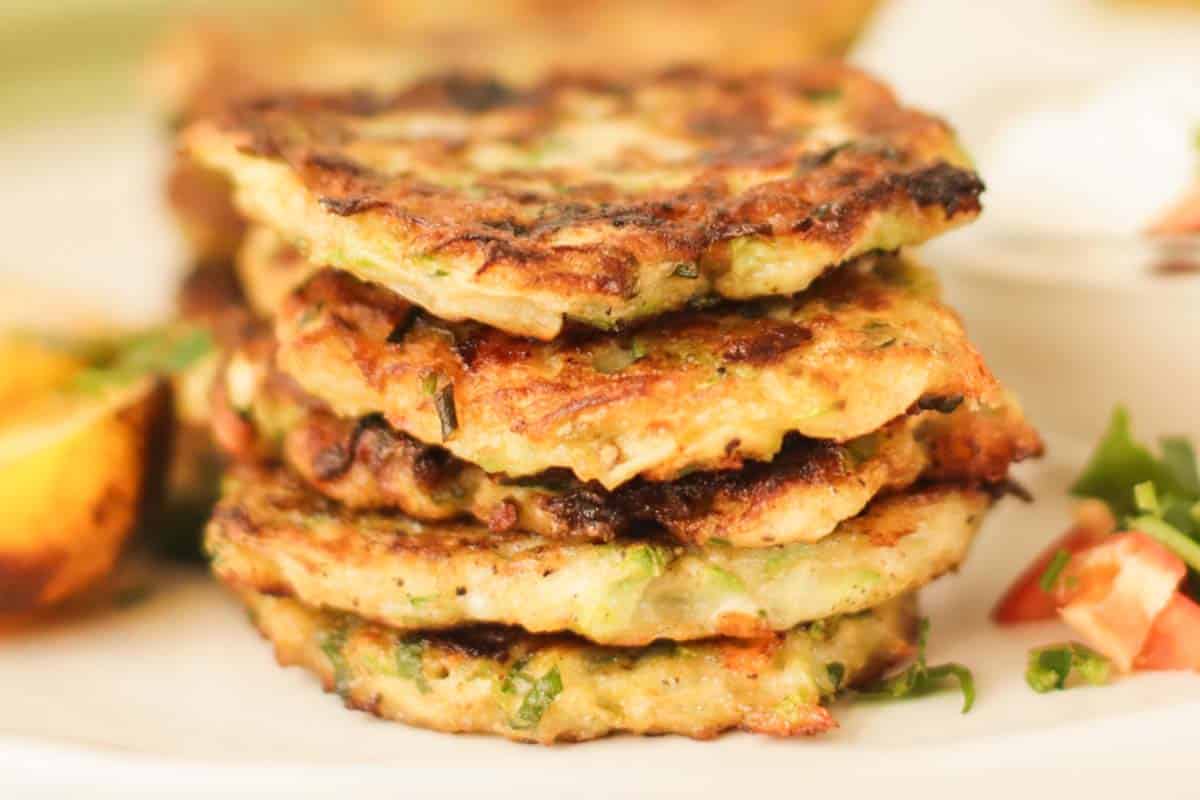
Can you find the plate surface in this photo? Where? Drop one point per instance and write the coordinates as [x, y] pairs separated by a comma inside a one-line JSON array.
[[179, 695]]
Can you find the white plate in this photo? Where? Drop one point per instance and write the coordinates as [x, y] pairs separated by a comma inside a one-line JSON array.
[[178, 696]]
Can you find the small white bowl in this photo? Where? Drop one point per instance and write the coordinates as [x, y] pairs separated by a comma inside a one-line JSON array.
[[1077, 326]]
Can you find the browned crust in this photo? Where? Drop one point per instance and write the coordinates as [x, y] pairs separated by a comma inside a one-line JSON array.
[[735, 127], [386, 348]]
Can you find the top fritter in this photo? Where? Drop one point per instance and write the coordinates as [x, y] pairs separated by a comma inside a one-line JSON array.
[[593, 200]]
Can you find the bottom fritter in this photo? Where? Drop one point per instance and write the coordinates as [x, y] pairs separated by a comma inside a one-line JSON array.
[[552, 688]]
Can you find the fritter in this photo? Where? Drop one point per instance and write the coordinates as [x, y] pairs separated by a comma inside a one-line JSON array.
[[204, 62], [559, 688], [597, 200], [800, 495], [697, 390], [272, 535]]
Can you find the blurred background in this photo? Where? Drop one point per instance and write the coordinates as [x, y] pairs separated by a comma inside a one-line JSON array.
[[1083, 116]]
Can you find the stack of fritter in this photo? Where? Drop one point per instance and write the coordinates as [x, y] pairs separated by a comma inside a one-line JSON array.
[[597, 405]]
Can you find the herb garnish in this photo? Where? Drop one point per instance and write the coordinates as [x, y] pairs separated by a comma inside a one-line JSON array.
[[921, 679], [1157, 495], [1054, 570], [159, 351], [1050, 667]]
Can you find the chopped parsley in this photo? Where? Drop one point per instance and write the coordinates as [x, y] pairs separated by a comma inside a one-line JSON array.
[[333, 644], [1051, 667], [429, 383], [409, 655], [1158, 495], [921, 679], [686, 269], [537, 693], [159, 351], [447, 413], [836, 671], [1054, 570]]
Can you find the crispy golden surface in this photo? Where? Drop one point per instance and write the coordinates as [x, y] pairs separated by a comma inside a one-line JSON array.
[[696, 390], [592, 199], [546, 689], [800, 495], [270, 534]]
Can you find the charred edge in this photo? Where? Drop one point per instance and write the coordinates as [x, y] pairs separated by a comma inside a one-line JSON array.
[[769, 346], [479, 641], [943, 404], [335, 461], [950, 187], [349, 206]]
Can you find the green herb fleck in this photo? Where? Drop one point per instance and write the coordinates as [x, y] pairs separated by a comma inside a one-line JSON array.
[[837, 673], [409, 656], [831, 95], [1119, 464], [920, 679], [160, 351], [333, 645], [1054, 570], [1050, 667], [544, 691], [537, 693], [614, 359], [725, 579], [429, 383], [686, 269], [447, 414], [1145, 497]]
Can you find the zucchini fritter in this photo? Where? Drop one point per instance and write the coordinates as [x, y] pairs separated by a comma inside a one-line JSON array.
[[272, 535], [560, 688], [697, 390], [800, 495], [592, 199]]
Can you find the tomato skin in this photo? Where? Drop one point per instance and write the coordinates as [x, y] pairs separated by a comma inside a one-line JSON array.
[[1174, 640], [1112, 593], [1180, 219], [1025, 601]]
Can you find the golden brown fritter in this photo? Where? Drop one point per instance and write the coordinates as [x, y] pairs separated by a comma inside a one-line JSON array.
[[273, 535], [696, 390], [593, 199], [799, 496], [205, 63], [545, 689]]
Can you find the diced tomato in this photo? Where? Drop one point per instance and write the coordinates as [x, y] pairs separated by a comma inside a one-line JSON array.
[[1181, 218], [1174, 640], [1112, 593], [1025, 601]]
